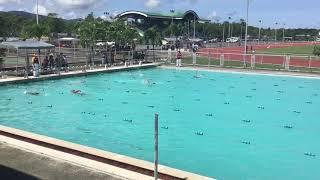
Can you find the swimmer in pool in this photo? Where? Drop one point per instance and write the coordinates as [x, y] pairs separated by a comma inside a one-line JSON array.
[[79, 92], [32, 93]]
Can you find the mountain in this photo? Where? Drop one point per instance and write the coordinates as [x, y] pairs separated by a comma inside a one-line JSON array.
[[31, 16], [24, 14]]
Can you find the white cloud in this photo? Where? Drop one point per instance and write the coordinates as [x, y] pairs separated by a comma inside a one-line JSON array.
[[212, 15], [42, 10], [152, 3], [76, 4], [71, 15], [9, 1]]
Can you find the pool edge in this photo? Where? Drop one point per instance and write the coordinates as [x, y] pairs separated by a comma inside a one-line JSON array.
[[247, 71], [16, 80], [127, 163]]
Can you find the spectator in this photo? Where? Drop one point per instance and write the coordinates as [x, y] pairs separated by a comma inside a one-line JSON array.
[[65, 63], [179, 58], [51, 61], [45, 63], [36, 66]]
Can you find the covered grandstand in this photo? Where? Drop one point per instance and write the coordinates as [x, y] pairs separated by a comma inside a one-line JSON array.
[[144, 20]]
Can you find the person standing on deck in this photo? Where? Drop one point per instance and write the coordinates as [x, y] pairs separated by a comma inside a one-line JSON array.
[[179, 58], [36, 66]]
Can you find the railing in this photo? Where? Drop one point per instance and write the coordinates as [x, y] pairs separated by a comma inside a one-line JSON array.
[[82, 59], [16, 64], [301, 63]]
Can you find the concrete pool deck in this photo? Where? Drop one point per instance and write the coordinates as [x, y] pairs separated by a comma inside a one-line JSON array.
[[247, 71], [13, 80], [17, 163], [110, 164]]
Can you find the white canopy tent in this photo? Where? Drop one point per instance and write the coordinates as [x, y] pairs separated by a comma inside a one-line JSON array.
[[26, 45]]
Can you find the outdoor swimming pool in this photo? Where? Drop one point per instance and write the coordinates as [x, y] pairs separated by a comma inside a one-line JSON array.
[[254, 126]]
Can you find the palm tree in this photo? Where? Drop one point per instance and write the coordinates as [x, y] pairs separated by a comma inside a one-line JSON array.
[[38, 30], [130, 35], [152, 36], [87, 30]]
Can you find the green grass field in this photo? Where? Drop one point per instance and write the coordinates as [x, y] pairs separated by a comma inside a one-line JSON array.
[[294, 50], [203, 61]]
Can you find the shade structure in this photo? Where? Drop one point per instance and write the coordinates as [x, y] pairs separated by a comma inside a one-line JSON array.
[[69, 39], [26, 45]]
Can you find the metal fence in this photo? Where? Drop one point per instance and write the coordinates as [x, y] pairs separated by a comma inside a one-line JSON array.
[[301, 63], [82, 59], [15, 62]]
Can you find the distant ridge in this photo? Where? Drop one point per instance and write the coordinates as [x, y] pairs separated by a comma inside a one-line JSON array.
[[31, 16]]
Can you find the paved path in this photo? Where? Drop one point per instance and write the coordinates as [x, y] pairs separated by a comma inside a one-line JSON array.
[[18, 164]]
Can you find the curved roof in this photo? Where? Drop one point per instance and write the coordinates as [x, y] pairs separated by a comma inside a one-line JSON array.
[[175, 15]]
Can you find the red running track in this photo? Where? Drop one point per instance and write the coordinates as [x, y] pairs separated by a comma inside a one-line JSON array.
[[236, 54]]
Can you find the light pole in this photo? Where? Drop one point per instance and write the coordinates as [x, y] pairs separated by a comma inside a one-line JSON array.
[[241, 29], [246, 37], [172, 11], [194, 26], [223, 31], [107, 14], [275, 32], [37, 12], [260, 31], [229, 35], [284, 24]]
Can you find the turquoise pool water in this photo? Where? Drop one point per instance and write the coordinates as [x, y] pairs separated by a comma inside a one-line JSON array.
[[254, 126]]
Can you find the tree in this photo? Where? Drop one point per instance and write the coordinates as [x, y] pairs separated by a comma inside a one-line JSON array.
[[316, 50], [37, 31], [130, 35], [54, 24], [152, 36]]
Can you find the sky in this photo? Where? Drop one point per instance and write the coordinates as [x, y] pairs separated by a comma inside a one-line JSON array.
[[286, 13]]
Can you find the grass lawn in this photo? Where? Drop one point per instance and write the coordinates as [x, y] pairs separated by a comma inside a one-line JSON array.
[[13, 61], [201, 61], [298, 50]]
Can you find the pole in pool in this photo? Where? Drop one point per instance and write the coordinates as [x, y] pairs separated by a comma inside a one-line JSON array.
[[156, 146]]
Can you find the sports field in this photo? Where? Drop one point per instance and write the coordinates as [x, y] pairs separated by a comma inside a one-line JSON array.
[[269, 54], [291, 50]]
